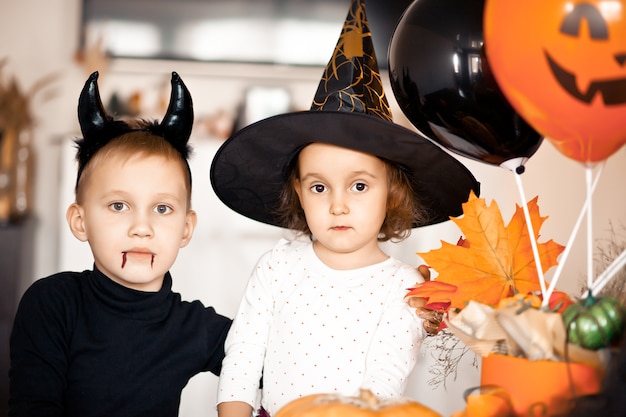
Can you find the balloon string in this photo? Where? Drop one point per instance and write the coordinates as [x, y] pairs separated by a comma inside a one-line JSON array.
[[609, 273], [570, 242], [588, 179], [531, 234]]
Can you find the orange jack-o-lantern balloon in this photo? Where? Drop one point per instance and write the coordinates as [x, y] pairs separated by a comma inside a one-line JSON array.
[[562, 66]]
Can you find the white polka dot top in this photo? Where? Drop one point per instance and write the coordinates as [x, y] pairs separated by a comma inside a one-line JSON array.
[[306, 328]]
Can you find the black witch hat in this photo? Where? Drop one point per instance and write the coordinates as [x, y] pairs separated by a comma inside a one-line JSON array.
[[350, 110]]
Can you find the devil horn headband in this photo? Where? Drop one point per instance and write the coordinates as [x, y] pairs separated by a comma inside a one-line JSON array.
[[99, 128], [178, 119]]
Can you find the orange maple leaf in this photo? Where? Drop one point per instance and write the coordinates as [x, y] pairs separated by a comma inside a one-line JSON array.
[[493, 262]]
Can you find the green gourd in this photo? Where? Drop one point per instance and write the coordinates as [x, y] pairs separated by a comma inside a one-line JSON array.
[[594, 323]]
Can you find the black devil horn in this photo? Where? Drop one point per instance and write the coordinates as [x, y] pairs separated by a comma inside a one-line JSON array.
[[178, 120], [91, 114]]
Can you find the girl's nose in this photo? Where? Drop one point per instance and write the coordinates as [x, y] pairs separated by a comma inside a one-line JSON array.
[[338, 205]]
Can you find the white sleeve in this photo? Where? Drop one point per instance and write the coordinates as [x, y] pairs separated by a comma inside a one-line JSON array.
[[393, 353], [247, 339]]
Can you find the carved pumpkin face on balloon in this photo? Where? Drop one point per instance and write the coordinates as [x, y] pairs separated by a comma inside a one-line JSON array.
[[562, 66]]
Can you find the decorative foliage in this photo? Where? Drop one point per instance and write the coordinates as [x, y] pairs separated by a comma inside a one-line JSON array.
[[448, 351], [606, 251], [16, 161], [15, 104], [491, 263]]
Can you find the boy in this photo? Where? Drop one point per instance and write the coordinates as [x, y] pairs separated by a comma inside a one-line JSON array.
[[116, 341]]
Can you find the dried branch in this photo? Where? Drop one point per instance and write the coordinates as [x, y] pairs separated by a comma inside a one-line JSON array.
[[447, 350]]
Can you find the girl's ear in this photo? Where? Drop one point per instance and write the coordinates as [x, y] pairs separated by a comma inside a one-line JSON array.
[[297, 187], [75, 216], [190, 224]]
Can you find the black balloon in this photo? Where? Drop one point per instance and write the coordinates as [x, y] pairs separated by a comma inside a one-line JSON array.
[[441, 79]]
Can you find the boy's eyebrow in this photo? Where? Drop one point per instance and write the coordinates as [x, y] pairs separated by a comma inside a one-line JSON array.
[[158, 196]]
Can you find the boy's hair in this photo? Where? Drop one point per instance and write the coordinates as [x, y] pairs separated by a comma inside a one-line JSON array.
[[130, 144], [403, 210]]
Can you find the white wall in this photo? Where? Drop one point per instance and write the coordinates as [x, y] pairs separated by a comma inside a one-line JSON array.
[[40, 38]]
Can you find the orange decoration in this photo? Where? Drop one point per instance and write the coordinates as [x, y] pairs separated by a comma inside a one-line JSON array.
[[559, 301], [489, 401], [365, 405], [540, 388], [530, 300], [440, 292], [560, 63], [494, 261]]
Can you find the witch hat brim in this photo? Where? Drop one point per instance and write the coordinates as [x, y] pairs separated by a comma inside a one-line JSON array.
[[349, 110]]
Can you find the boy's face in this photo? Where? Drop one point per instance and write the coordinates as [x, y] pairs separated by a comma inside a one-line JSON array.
[[134, 215], [344, 197]]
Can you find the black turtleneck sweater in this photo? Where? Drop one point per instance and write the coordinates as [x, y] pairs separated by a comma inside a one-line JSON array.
[[83, 345]]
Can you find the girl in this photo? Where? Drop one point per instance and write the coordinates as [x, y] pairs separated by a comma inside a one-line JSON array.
[[326, 312]]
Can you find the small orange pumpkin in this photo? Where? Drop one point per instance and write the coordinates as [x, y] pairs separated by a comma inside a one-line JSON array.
[[365, 405], [486, 401], [521, 300]]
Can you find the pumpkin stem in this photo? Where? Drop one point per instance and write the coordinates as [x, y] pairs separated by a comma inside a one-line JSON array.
[[368, 397], [589, 300]]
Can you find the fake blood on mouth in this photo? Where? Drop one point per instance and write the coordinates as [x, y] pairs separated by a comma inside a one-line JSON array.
[[124, 255]]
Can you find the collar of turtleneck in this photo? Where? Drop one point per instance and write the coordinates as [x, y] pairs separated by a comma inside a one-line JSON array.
[[130, 303]]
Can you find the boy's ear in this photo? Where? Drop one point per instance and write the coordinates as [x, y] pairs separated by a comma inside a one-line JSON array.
[[190, 224], [76, 220]]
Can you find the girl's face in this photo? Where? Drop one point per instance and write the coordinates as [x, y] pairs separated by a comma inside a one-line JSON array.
[[135, 216], [344, 197]]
